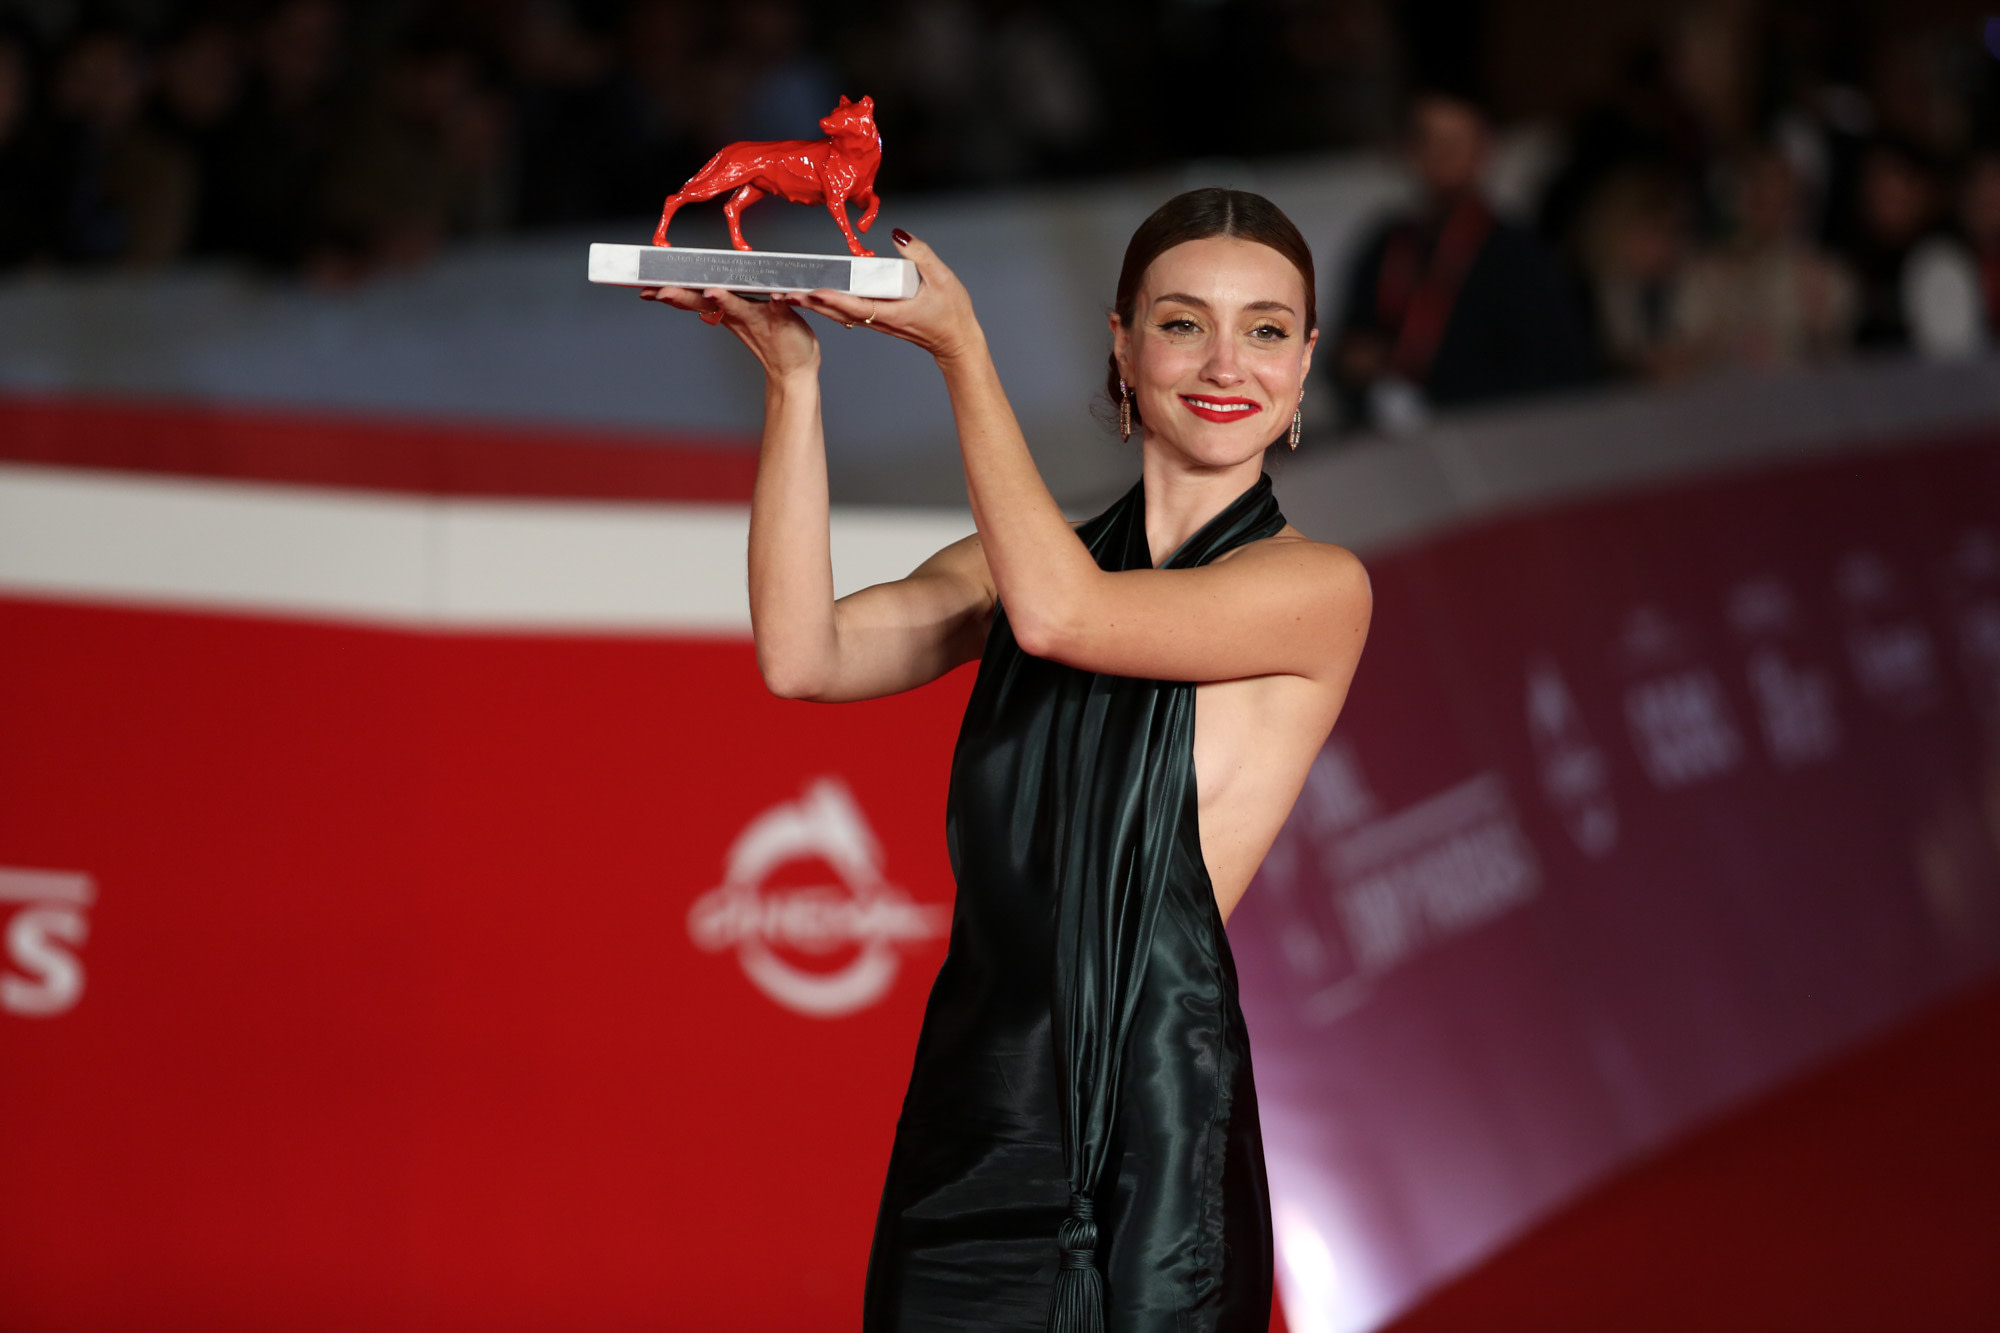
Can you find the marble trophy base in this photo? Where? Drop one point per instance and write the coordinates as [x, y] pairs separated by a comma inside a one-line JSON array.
[[750, 270]]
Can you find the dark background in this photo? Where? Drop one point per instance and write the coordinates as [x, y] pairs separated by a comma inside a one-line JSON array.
[[366, 131], [1712, 184]]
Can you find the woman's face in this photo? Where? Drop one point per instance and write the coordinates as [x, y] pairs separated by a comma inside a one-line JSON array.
[[1217, 351]]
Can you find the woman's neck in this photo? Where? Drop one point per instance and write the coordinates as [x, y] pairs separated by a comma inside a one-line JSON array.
[[1181, 497]]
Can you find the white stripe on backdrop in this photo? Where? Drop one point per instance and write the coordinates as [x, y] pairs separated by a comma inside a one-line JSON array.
[[95, 536]]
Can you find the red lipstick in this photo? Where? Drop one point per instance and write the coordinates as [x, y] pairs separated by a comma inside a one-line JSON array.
[[1214, 407]]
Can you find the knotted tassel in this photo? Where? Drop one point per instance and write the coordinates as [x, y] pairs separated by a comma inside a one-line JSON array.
[[1078, 1303]]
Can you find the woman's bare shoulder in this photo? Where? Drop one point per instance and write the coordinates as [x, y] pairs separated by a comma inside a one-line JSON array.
[[1292, 549], [1320, 582]]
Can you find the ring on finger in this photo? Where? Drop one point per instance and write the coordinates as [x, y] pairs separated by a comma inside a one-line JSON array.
[[874, 307]]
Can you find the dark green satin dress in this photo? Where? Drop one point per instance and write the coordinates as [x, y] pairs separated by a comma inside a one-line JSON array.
[[1080, 1132]]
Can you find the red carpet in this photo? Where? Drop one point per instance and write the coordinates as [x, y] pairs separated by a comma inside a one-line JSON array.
[[1865, 1196]]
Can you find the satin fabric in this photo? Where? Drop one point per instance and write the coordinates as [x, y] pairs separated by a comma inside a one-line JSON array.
[[1083, 1038]]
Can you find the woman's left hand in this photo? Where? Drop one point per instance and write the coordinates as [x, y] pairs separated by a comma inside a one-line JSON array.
[[938, 318]]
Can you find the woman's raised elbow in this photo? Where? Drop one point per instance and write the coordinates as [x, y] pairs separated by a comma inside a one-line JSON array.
[[1050, 622], [791, 679], [1039, 635]]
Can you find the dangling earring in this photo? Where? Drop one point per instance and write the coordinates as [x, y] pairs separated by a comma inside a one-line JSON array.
[[1298, 423], [1125, 412]]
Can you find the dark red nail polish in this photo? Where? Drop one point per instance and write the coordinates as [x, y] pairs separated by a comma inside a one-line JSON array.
[[900, 236]]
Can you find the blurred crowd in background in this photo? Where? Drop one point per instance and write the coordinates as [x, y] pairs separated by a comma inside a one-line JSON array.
[[1747, 183]]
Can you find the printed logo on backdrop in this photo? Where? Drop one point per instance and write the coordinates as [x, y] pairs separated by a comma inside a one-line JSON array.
[[1399, 882], [1575, 776], [1675, 709], [1889, 647], [1974, 587], [1795, 699], [45, 923], [822, 950]]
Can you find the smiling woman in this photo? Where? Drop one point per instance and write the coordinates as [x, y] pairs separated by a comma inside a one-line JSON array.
[[1079, 1147], [1200, 346], [1193, 221]]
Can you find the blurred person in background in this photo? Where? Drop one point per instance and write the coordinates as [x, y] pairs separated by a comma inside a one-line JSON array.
[[937, 74], [1633, 242], [1919, 286], [1350, 78], [582, 125], [662, 82], [1979, 218], [1680, 98], [26, 168], [771, 84], [1766, 297], [423, 161], [1453, 305], [124, 191], [1921, 89], [269, 169], [202, 78], [1816, 113], [1041, 101], [1240, 43], [998, 92]]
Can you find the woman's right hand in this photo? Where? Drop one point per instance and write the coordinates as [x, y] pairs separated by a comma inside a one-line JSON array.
[[882, 640], [774, 331]]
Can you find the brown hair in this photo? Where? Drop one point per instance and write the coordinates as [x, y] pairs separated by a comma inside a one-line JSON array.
[[1197, 216]]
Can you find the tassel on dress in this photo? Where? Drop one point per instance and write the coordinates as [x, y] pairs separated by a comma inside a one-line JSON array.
[[1078, 1303]]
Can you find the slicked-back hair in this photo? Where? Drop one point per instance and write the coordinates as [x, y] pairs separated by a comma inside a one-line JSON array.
[[1197, 216]]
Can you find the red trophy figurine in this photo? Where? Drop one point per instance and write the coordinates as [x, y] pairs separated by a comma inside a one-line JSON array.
[[830, 171], [827, 171]]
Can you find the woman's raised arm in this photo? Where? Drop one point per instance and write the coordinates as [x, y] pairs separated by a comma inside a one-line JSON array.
[[880, 640], [1285, 606]]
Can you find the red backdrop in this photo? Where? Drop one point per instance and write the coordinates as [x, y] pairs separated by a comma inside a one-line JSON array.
[[373, 977], [391, 1015]]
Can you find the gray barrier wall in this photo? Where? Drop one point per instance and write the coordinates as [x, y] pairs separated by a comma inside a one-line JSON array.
[[511, 330]]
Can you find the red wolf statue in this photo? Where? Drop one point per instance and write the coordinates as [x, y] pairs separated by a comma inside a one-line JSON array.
[[827, 171]]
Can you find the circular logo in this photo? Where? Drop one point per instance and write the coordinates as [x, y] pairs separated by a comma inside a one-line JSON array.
[[863, 912]]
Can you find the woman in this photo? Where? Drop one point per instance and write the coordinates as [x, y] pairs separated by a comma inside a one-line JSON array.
[[1079, 1145]]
